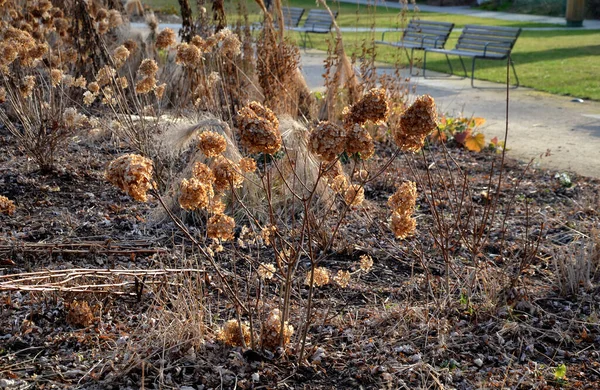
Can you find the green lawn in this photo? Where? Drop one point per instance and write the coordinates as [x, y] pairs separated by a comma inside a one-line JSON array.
[[565, 62]]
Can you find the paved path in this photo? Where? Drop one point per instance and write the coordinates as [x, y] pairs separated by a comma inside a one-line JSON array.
[[467, 10], [538, 122]]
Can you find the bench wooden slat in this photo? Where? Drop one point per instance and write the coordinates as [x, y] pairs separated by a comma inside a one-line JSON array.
[[420, 34]]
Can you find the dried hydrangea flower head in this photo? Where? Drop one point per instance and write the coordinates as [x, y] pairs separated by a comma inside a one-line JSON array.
[[226, 174], [26, 88], [266, 270], [339, 184], [188, 55], [115, 19], [72, 118], [404, 200], [403, 225], [230, 43], [358, 140], [373, 106], [366, 263], [203, 173], [195, 194], [2, 95], [105, 75], [166, 38], [416, 123], [342, 278], [211, 144], [56, 76], [259, 129], [80, 314], [247, 164], [7, 206], [234, 334], [145, 85], [220, 226], [148, 68], [120, 55], [327, 140], [320, 278], [132, 173], [355, 195], [271, 335]]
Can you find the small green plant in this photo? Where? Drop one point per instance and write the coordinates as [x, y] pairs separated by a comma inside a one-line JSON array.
[[564, 179]]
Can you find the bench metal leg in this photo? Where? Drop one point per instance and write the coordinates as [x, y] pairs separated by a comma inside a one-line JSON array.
[[447, 60], [473, 72], [462, 63], [512, 64]]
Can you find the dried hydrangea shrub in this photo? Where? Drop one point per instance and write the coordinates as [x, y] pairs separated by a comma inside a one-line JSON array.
[[402, 225], [404, 200], [416, 123], [211, 144], [259, 129], [195, 194], [7, 206], [358, 140], [355, 195], [342, 278], [234, 333], [132, 173], [320, 278], [327, 140], [166, 38], [373, 106], [220, 226], [226, 174], [188, 55], [80, 314], [271, 335]]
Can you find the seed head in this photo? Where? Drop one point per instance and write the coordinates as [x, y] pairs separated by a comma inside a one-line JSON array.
[[404, 200], [320, 278], [342, 278], [166, 38], [327, 140], [56, 76], [259, 128], [403, 225], [366, 263], [195, 194], [359, 141], [220, 226], [271, 335], [247, 164], [203, 173], [355, 195], [234, 334], [211, 144], [226, 174], [266, 270], [416, 123], [148, 68], [133, 174], [373, 106], [188, 55]]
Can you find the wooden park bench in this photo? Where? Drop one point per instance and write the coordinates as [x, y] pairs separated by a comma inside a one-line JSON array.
[[421, 35], [317, 21], [481, 42], [291, 16]]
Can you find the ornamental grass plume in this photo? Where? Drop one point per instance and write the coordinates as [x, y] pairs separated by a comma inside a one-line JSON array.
[[271, 334], [234, 333], [416, 123], [373, 106], [195, 194], [259, 129], [166, 38], [211, 144], [132, 173], [7, 206], [220, 226], [404, 200], [320, 278], [327, 140]]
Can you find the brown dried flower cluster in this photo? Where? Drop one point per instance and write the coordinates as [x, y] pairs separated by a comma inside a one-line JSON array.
[[56, 76], [327, 140], [132, 173], [339, 184], [247, 164], [271, 335], [226, 174], [26, 88], [320, 278], [259, 129], [342, 278], [234, 334], [231, 44], [266, 270], [211, 144], [402, 203], [72, 118], [416, 123], [7, 206], [166, 38], [366, 263], [373, 106], [355, 195], [105, 75], [404, 200], [203, 172], [120, 55], [188, 55], [195, 194], [2, 95], [147, 69], [80, 314], [358, 140], [220, 226]]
